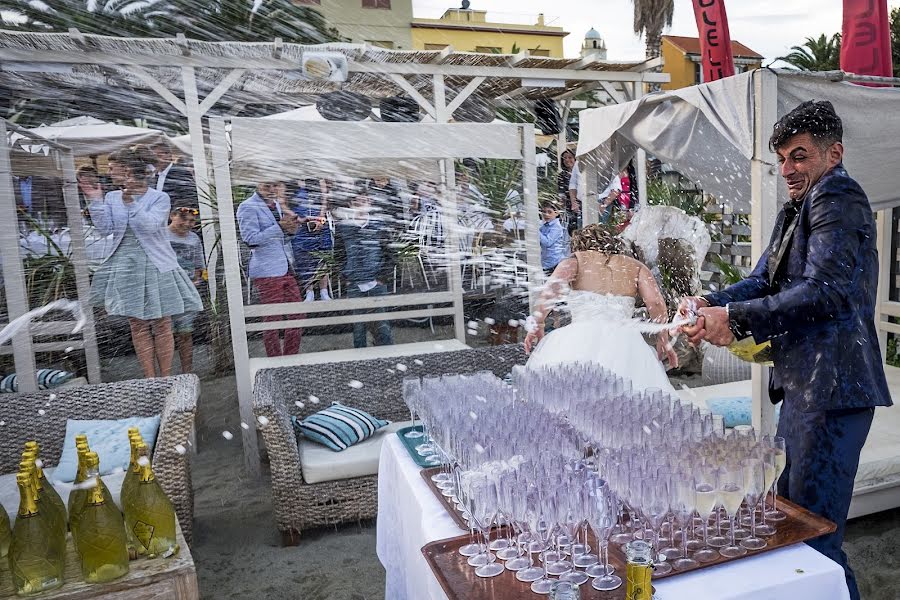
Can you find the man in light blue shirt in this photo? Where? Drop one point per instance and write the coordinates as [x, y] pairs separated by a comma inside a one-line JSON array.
[[263, 223], [554, 240]]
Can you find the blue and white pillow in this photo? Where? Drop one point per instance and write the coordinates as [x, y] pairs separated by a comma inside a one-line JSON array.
[[46, 379], [338, 427]]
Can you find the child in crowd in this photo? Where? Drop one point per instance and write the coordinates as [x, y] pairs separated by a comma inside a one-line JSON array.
[[554, 240], [189, 250]]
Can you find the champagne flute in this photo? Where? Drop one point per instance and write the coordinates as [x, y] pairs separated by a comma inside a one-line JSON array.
[[484, 511], [780, 449], [602, 518], [768, 457], [533, 513], [731, 494], [411, 388], [685, 500], [754, 489], [705, 489]]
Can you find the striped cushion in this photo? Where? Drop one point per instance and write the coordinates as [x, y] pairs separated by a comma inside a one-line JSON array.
[[338, 427], [46, 379]]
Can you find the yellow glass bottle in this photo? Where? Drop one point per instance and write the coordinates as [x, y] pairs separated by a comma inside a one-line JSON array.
[[36, 562], [51, 511], [131, 480], [90, 461], [78, 493], [46, 489], [101, 535], [5, 532], [149, 513]]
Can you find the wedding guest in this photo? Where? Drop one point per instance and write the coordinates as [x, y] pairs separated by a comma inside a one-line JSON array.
[[141, 279], [172, 178], [313, 237], [563, 179], [363, 244], [189, 251], [263, 222], [554, 241], [812, 295]]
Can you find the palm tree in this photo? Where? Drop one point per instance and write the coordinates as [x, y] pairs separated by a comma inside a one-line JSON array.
[[209, 20], [816, 54], [650, 17]]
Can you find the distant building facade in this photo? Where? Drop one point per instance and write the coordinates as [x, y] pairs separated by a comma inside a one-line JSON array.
[[682, 60], [383, 23], [468, 30]]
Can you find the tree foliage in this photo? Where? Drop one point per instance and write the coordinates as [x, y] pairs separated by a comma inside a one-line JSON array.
[[209, 20], [650, 17], [816, 54]]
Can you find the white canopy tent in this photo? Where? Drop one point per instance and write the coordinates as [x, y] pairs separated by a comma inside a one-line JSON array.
[[87, 136], [717, 134], [59, 163], [256, 152]]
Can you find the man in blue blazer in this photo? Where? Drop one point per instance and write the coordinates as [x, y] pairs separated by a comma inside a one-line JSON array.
[[812, 295]]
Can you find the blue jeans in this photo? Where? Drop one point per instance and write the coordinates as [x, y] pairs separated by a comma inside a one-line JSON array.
[[382, 331]]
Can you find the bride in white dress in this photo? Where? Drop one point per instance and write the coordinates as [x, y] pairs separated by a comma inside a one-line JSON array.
[[599, 285]]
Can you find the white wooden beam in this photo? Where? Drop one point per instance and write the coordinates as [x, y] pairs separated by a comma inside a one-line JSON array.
[[884, 308], [590, 208], [293, 308], [348, 319], [80, 263], [764, 207], [532, 214], [615, 94], [464, 93], [517, 59], [587, 87], [13, 275], [208, 216], [277, 47], [37, 57], [234, 292], [157, 87], [220, 90], [516, 93], [584, 62], [182, 42], [652, 63], [407, 87], [442, 56]]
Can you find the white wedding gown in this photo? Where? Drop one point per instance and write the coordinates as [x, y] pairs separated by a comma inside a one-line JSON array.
[[603, 332]]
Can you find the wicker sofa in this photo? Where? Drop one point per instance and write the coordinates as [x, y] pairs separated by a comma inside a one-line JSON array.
[[174, 398], [300, 505]]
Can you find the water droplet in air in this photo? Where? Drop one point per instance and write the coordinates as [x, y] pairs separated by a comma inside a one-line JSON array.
[[418, 362], [227, 435], [180, 449], [355, 384], [42, 412], [263, 420], [144, 461], [313, 399], [51, 397], [473, 415], [401, 367], [299, 404], [479, 448]]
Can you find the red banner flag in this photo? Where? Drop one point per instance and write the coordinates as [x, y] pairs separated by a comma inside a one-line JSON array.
[[715, 41], [866, 38]]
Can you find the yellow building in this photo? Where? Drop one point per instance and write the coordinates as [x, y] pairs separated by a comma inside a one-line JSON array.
[[383, 23], [682, 60], [469, 30]]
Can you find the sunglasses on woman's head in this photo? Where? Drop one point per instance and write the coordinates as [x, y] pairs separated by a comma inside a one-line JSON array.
[[185, 210]]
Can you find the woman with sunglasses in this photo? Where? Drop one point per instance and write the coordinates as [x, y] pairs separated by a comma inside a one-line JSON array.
[[141, 279]]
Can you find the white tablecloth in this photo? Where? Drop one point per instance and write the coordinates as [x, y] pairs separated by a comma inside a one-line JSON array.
[[409, 516]]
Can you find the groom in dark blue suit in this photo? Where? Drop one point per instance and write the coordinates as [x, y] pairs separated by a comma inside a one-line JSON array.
[[812, 295]]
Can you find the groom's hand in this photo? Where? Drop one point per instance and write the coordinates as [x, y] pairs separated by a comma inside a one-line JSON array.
[[688, 308], [715, 328]]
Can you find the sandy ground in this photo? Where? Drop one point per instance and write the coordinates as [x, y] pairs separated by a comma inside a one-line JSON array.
[[237, 549]]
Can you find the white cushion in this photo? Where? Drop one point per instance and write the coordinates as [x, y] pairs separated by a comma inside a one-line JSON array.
[[319, 464], [9, 491]]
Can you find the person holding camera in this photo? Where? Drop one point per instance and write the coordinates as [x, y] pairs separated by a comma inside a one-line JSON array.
[[313, 237], [263, 223]]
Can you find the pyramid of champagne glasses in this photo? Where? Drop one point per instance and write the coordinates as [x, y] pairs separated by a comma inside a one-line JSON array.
[[565, 449]]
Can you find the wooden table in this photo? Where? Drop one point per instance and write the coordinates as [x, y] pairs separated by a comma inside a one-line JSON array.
[[156, 579]]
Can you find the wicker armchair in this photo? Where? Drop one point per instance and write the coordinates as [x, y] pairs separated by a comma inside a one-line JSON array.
[[299, 505], [175, 398]]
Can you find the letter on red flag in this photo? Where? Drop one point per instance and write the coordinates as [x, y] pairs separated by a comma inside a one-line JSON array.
[[715, 41], [866, 38]]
